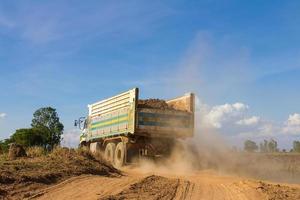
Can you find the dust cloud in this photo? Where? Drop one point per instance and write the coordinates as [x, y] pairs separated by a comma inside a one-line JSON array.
[[208, 150], [205, 150]]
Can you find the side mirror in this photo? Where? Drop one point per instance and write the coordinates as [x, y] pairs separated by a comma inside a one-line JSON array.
[[75, 123]]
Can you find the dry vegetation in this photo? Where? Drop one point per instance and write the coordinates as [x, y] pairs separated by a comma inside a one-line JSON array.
[[26, 176], [278, 192], [280, 167]]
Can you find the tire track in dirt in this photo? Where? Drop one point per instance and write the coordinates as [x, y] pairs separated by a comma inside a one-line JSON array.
[[151, 188], [210, 186], [202, 185], [184, 190], [86, 187]]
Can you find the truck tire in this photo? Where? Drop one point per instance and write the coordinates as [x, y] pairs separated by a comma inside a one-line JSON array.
[[119, 159], [95, 147], [109, 152]]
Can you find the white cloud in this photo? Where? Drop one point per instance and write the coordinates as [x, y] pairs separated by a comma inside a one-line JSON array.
[[71, 138], [222, 113], [267, 129], [232, 120], [234, 123], [292, 130], [292, 125], [3, 115], [249, 121], [294, 120]]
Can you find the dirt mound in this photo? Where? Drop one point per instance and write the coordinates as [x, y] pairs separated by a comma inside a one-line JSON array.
[[154, 103], [278, 192], [151, 187], [24, 177], [15, 151]]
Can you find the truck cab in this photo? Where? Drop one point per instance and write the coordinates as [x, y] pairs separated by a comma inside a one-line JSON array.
[[82, 124]]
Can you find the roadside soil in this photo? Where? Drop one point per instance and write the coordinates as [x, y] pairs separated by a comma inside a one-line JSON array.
[[78, 174], [24, 177], [136, 184]]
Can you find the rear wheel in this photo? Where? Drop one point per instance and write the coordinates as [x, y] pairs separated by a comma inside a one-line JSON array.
[[95, 147], [109, 152], [119, 159]]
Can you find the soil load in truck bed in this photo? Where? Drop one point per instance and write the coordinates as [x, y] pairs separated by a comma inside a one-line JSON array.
[[155, 103]]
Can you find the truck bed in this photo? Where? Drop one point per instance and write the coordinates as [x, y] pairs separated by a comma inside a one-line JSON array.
[[164, 123], [121, 115]]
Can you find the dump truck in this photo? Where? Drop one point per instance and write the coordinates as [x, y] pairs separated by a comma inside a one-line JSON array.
[[123, 127]]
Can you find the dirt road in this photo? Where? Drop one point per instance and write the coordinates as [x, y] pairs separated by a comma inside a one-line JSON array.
[[199, 185]]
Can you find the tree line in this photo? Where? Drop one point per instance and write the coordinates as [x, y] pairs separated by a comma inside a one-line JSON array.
[[268, 146], [46, 131]]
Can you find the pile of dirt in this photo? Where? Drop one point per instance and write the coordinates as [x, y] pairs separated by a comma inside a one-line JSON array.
[[278, 192], [15, 151], [151, 187], [154, 103], [25, 177]]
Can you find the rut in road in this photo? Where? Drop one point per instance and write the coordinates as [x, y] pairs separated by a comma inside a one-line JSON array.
[[200, 185], [154, 187]]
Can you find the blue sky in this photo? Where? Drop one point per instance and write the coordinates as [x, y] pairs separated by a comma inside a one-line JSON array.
[[67, 54]]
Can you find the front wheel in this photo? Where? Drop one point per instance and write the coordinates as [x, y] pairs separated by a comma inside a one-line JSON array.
[[119, 159]]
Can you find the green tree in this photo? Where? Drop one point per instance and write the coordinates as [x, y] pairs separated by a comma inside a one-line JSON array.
[[296, 146], [263, 146], [284, 150], [272, 146], [47, 119], [28, 137], [4, 145], [268, 146], [250, 146]]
